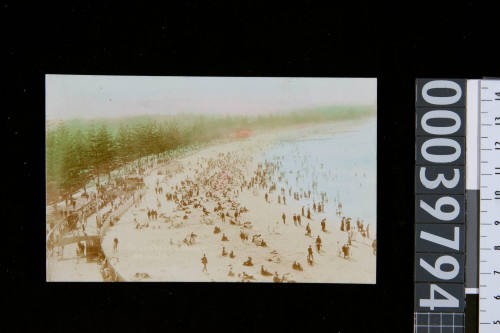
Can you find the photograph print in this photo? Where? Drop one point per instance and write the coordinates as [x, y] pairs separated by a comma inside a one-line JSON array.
[[211, 179]]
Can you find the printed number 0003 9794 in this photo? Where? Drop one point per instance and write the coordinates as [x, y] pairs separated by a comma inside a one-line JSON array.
[[441, 151]]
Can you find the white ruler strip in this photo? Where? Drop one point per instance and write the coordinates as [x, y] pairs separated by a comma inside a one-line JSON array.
[[472, 189], [489, 231], [472, 136]]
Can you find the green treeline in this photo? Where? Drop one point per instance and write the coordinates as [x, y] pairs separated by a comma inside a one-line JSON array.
[[78, 151]]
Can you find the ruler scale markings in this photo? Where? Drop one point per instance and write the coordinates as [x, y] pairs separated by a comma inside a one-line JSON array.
[[489, 263]]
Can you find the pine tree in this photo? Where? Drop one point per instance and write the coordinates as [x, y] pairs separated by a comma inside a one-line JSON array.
[[123, 145], [50, 156], [93, 153], [65, 168], [80, 154], [106, 147]]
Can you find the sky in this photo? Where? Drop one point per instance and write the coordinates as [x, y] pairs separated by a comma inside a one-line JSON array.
[[97, 96]]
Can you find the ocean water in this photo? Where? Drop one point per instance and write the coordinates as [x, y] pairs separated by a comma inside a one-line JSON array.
[[342, 165]]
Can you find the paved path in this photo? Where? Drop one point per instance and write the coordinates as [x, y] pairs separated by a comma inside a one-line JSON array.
[[69, 267]]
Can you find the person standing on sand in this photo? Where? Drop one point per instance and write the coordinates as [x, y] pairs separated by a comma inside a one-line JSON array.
[[323, 225], [308, 230], [283, 217], [294, 220], [298, 220], [308, 213], [115, 245], [303, 211], [310, 256], [204, 261], [318, 244], [345, 250]]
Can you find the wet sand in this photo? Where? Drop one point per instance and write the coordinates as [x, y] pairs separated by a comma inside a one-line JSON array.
[[158, 253]]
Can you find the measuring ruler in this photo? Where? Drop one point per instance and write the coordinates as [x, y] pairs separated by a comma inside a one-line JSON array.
[[457, 206], [489, 229]]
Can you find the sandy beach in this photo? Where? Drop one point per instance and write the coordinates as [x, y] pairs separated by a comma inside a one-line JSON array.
[[228, 178]]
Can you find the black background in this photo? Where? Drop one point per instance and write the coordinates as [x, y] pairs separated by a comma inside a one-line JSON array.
[[395, 43]]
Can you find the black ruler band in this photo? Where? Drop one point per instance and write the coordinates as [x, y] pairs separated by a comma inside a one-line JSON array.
[[440, 204]]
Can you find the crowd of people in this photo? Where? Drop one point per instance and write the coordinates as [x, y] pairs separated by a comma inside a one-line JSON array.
[[210, 191], [212, 188]]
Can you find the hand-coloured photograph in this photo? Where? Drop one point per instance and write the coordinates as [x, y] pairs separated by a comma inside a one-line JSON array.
[[211, 179]]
